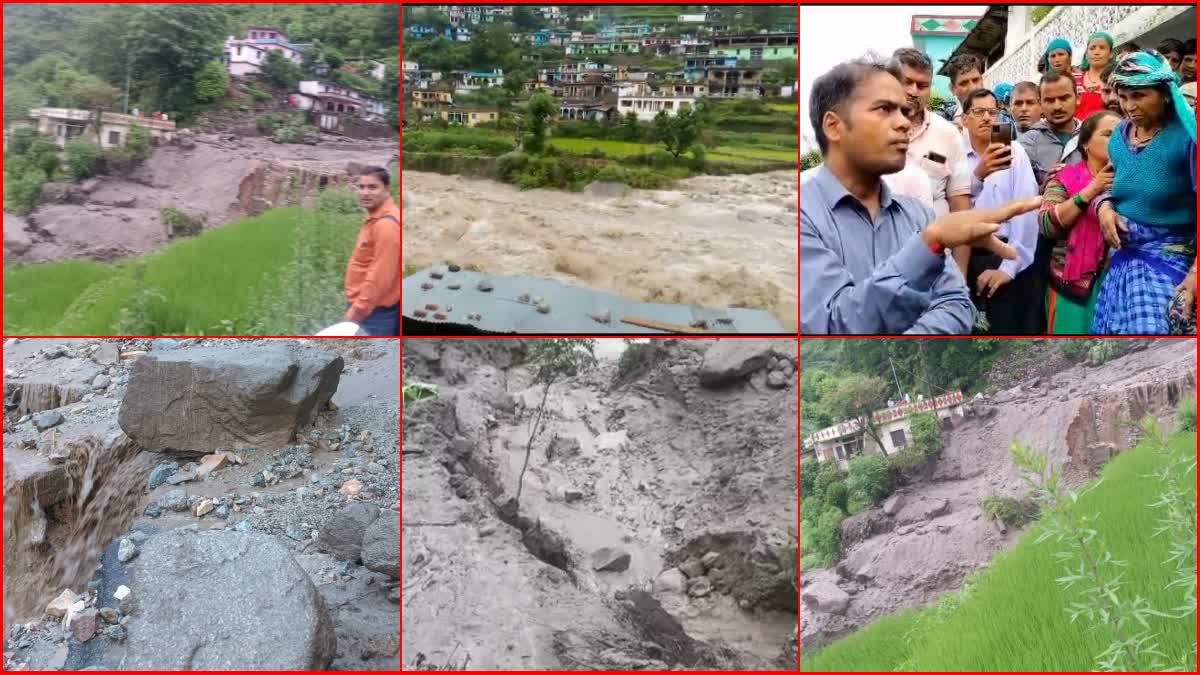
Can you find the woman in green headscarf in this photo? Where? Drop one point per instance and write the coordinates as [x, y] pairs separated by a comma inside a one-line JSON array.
[[1089, 84], [1057, 57], [1149, 215]]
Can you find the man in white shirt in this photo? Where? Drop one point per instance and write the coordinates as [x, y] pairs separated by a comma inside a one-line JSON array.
[[934, 145]]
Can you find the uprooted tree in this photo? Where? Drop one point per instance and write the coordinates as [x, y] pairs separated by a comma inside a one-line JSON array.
[[553, 359]]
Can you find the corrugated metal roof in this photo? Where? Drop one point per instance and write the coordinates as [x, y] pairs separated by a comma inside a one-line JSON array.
[[502, 311]]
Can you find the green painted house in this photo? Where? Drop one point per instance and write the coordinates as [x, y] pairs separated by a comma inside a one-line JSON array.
[[938, 37], [761, 47]]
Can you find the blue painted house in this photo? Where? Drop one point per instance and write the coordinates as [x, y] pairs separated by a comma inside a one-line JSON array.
[[695, 67], [631, 30], [421, 30]]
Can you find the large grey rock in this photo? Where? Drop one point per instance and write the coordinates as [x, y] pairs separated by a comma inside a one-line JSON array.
[[610, 559], [381, 544], [199, 400], [826, 597], [893, 504], [729, 360], [670, 581], [222, 600], [343, 535], [47, 419]]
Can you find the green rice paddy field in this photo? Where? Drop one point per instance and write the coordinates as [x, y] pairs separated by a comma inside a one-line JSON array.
[[1015, 620]]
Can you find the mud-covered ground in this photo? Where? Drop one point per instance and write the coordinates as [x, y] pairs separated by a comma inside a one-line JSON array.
[[712, 240], [937, 536], [657, 468], [121, 216], [366, 410]]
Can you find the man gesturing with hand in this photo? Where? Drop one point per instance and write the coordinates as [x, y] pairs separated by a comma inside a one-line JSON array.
[[872, 262]]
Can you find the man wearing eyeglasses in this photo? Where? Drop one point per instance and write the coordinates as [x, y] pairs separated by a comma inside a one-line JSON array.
[[1002, 290]]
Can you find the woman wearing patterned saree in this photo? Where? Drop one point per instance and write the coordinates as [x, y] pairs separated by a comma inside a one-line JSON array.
[[1149, 216]]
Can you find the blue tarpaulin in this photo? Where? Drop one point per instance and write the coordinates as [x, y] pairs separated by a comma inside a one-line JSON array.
[[456, 295]]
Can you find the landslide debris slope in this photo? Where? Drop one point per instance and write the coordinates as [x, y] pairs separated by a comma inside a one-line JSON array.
[[935, 534], [654, 519]]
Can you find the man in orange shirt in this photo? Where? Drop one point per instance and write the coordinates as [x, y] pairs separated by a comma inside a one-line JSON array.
[[373, 274]]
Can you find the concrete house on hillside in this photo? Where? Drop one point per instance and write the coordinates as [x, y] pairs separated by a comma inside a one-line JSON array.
[[760, 47], [245, 56], [64, 124], [735, 82], [841, 441], [331, 97]]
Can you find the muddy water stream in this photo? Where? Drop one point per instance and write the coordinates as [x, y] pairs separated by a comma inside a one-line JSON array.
[[103, 491], [712, 240]]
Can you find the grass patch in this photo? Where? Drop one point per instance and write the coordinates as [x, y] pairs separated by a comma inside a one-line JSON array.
[[583, 146], [792, 108], [1015, 620]]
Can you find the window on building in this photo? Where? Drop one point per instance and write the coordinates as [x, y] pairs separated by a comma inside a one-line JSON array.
[[239, 50], [898, 439], [114, 138]]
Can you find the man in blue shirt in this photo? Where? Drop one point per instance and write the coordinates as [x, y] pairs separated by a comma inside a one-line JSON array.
[[872, 262]]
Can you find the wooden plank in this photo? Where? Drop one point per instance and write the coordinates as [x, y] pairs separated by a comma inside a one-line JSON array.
[[663, 325]]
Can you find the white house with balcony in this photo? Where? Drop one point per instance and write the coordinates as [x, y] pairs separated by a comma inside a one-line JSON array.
[[64, 124], [647, 106], [842, 441], [330, 98], [245, 56]]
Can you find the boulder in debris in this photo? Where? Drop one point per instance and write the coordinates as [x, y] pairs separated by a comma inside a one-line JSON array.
[[729, 360], [610, 559], [825, 596], [231, 593], [190, 401], [670, 581], [343, 535], [893, 504], [381, 544]]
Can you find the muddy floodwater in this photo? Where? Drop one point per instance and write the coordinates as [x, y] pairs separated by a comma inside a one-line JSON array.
[[712, 240]]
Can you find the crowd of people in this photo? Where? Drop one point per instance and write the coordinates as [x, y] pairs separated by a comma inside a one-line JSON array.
[[1065, 204]]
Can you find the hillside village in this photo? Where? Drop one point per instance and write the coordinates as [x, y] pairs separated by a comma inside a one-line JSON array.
[[333, 107], [603, 73]]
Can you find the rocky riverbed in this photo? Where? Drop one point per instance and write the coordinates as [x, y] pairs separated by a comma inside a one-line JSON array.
[[273, 520]]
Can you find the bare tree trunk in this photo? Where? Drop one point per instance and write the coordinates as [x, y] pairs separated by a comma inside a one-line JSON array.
[[529, 445]]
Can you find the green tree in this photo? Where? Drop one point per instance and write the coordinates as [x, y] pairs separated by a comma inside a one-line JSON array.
[[829, 474], [525, 19], [43, 154], [211, 82], [279, 71], [553, 359], [808, 476], [82, 159], [856, 397], [631, 128], [810, 159], [514, 81], [541, 107], [871, 477], [20, 140], [19, 99], [96, 96], [167, 45], [677, 132], [837, 495], [138, 141]]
